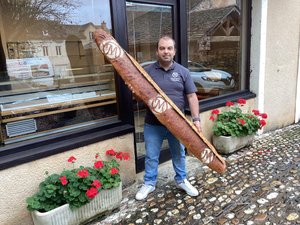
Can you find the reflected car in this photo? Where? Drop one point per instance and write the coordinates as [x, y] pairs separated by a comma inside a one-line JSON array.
[[208, 81]]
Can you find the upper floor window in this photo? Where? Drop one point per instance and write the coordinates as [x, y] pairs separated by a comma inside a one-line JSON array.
[[58, 50], [45, 51], [52, 76], [91, 36], [216, 41]]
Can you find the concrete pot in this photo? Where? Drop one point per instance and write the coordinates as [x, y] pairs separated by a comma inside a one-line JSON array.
[[105, 200], [229, 144]]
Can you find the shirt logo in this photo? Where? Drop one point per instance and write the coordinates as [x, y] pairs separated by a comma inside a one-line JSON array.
[[175, 77]]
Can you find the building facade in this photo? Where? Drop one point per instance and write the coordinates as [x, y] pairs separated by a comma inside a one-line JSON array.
[[59, 96]]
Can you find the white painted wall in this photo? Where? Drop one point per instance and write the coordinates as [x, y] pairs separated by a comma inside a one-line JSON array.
[[275, 58]]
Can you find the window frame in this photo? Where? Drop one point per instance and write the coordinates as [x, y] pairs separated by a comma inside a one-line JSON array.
[[45, 51], [37, 148], [58, 50]]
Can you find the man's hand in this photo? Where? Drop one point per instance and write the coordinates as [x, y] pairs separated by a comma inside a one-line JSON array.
[[198, 125]]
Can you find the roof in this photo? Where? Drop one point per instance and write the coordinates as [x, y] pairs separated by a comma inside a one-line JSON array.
[[206, 21], [143, 27], [49, 30]]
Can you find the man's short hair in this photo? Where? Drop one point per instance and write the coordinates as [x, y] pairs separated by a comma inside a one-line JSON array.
[[166, 37]]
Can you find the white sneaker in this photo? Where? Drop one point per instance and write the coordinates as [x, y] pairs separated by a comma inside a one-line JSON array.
[[188, 188], [144, 191]]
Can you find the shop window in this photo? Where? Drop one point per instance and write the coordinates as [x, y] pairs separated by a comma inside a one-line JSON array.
[[145, 27], [216, 40], [53, 77]]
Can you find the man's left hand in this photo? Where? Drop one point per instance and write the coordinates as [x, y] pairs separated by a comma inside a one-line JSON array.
[[198, 125]]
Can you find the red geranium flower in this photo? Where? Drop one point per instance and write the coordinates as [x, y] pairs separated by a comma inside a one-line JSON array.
[[63, 180], [110, 152], [262, 122], [241, 121], [92, 192], [119, 155], [215, 111], [71, 159], [125, 156], [255, 111], [212, 118], [241, 101], [83, 173], [264, 115], [98, 164], [96, 184], [229, 103], [114, 171]]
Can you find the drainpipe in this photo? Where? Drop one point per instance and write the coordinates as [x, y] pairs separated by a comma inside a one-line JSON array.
[[262, 61], [297, 112], [258, 52]]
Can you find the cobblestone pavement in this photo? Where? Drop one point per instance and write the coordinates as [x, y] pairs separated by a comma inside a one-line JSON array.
[[261, 186]]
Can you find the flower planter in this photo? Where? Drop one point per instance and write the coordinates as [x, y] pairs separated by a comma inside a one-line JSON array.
[[229, 144], [105, 200]]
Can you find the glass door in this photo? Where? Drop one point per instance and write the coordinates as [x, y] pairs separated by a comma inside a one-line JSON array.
[[146, 23]]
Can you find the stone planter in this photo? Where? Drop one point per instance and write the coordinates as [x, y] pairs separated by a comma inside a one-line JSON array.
[[229, 144], [105, 200]]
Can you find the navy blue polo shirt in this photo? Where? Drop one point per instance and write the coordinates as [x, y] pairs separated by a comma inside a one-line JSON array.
[[176, 83]]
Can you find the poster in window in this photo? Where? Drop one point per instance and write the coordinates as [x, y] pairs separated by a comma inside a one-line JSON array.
[[20, 69]]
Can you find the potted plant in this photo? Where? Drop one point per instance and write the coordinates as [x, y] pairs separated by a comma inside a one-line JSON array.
[[78, 194], [233, 128]]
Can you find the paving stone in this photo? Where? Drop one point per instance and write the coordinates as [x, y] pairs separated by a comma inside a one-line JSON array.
[[260, 218], [261, 186], [292, 217], [240, 215], [161, 213], [222, 221], [235, 221]]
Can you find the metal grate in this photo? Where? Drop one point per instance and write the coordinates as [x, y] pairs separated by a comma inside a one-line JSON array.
[[21, 127]]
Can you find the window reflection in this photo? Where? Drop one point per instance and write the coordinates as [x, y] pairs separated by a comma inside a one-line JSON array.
[[214, 41], [146, 24], [53, 77]]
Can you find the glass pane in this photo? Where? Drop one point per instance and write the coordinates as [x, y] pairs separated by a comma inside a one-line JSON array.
[[146, 24], [53, 78], [214, 39]]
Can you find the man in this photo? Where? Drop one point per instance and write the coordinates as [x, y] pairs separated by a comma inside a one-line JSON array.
[[177, 83]]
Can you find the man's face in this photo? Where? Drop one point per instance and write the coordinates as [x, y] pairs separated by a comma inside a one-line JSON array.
[[166, 50]]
